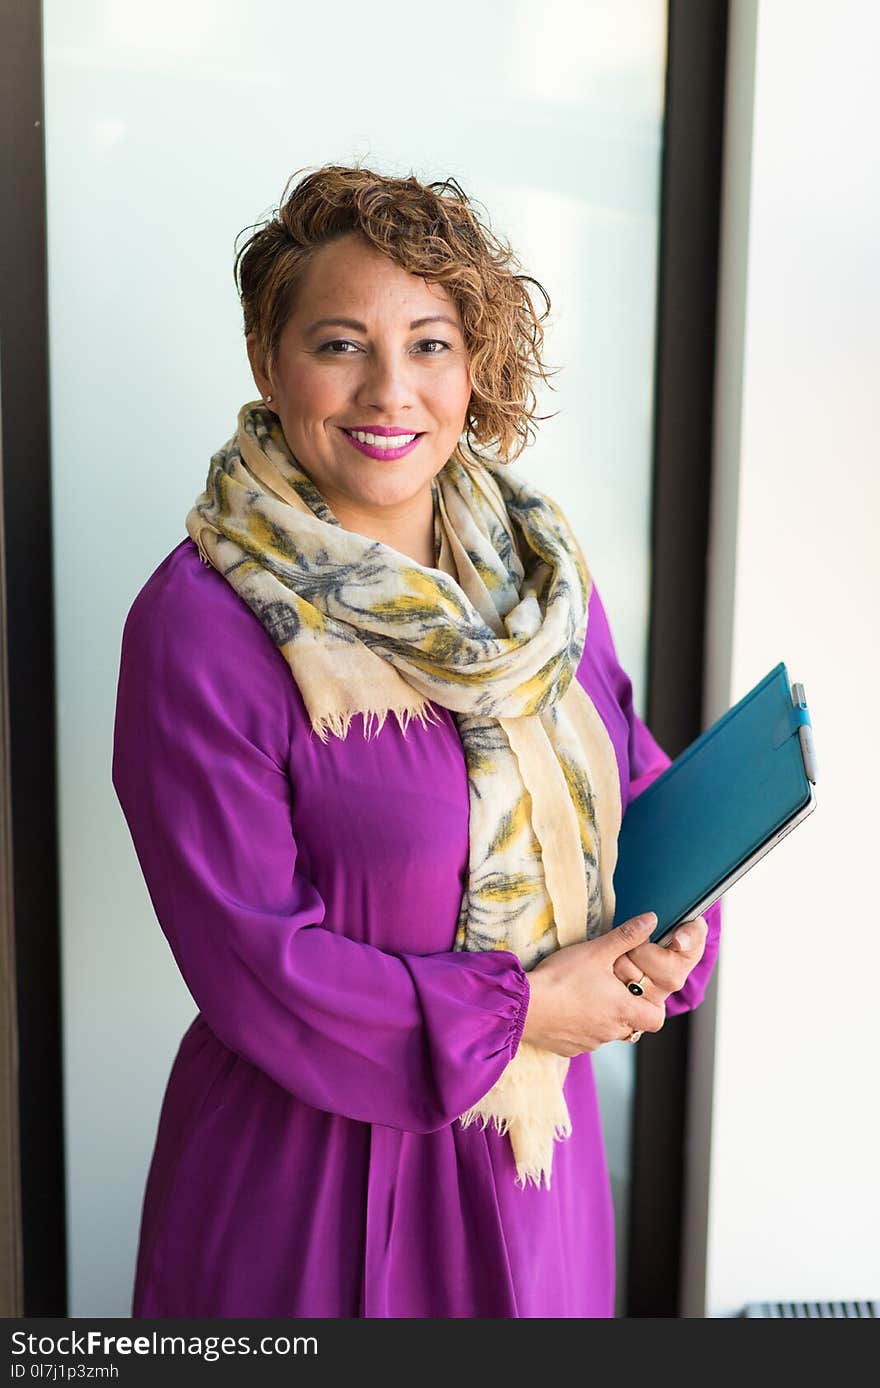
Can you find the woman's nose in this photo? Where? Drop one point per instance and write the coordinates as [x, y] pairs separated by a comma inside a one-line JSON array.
[[386, 383]]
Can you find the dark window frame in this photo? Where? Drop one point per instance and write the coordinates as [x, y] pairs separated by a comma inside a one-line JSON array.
[[687, 294], [33, 1274]]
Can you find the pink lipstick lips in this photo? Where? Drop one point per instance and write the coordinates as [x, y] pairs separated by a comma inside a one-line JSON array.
[[383, 454]]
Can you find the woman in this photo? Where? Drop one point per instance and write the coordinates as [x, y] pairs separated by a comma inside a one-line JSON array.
[[396, 929]]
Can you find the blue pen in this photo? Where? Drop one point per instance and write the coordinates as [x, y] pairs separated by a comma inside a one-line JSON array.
[[805, 733]]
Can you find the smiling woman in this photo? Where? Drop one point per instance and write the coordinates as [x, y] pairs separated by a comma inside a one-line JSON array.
[[324, 264], [338, 399], [397, 930]]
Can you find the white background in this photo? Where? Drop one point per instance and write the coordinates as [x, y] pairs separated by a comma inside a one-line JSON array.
[[785, 1137]]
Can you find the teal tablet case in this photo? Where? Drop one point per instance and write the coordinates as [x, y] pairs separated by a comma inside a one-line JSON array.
[[716, 806]]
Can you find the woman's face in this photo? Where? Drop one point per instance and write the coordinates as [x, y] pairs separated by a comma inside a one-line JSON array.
[[387, 367]]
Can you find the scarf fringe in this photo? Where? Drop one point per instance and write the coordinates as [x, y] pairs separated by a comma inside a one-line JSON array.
[[528, 1104], [338, 724], [532, 1143]]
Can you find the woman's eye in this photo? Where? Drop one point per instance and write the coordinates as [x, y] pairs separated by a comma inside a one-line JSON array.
[[330, 347]]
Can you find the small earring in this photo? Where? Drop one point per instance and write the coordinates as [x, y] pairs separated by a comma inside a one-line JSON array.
[[268, 398]]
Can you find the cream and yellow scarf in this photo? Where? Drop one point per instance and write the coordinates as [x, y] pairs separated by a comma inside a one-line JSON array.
[[495, 633]]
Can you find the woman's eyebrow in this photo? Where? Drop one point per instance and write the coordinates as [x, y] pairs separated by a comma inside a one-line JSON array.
[[362, 327]]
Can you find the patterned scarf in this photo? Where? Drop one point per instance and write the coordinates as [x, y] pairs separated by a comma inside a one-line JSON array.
[[494, 633]]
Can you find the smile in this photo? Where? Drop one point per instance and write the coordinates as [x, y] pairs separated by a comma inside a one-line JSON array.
[[377, 446]]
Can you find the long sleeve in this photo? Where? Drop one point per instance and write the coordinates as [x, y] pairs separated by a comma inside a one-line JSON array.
[[201, 770], [647, 760]]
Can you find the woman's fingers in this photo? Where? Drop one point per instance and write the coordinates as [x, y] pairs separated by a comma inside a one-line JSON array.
[[663, 969], [690, 939], [643, 1016], [626, 963], [577, 1003], [628, 971]]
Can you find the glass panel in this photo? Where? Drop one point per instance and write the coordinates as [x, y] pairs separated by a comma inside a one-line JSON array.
[[169, 128]]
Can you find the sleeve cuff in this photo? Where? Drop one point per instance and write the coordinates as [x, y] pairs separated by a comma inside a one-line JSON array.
[[519, 1021]]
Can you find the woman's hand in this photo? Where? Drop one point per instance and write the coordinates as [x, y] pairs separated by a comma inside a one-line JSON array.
[[665, 967], [578, 1001]]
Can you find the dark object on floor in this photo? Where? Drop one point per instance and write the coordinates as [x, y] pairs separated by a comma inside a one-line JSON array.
[[813, 1310]]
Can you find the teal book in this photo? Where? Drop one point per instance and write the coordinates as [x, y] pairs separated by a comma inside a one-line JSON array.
[[723, 804]]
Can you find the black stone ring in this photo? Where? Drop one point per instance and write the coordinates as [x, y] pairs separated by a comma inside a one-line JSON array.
[[635, 986]]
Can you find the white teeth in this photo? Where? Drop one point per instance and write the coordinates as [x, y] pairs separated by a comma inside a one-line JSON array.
[[379, 440]]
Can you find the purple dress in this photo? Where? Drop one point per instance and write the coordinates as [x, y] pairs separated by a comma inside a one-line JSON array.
[[308, 1162]]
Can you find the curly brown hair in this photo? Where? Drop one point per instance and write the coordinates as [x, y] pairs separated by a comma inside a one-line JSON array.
[[430, 230]]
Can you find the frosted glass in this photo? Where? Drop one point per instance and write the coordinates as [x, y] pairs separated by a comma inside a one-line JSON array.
[[169, 128]]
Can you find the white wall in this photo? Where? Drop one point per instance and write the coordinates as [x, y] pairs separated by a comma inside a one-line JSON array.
[[170, 126], [784, 1138]]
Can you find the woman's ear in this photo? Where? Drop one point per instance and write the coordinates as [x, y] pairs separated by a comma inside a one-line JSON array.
[[258, 370]]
